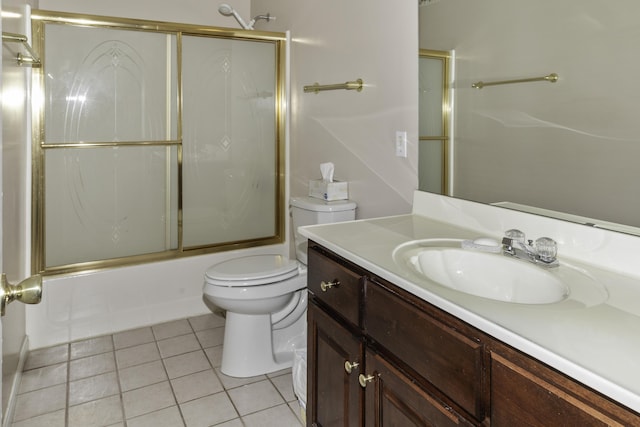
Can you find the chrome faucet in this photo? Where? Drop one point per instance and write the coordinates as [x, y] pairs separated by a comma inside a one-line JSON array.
[[543, 252]]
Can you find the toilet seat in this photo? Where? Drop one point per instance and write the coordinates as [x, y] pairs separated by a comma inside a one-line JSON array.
[[252, 270]]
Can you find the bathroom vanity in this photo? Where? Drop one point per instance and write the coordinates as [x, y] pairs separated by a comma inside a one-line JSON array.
[[387, 347]]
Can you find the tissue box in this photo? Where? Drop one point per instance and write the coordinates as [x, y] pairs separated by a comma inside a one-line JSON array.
[[336, 190]]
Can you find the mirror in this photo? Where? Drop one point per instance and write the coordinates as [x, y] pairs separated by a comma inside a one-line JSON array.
[[433, 103], [569, 148]]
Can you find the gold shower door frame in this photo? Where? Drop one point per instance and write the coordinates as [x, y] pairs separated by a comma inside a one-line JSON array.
[[172, 146], [436, 141]]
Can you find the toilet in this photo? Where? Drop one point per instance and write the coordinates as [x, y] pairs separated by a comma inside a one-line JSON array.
[[265, 296]]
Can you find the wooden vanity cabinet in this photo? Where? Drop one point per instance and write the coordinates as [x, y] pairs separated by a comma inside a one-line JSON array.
[[442, 354], [420, 366], [352, 380], [525, 392], [393, 398], [334, 397], [334, 338]]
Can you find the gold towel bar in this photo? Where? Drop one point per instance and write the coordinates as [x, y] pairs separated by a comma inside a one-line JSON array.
[[32, 59], [551, 78], [355, 85]]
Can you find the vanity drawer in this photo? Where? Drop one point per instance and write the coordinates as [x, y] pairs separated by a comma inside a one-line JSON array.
[[440, 354], [334, 284]]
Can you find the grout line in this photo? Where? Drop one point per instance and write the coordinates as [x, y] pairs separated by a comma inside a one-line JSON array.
[[121, 394], [161, 359], [67, 385]]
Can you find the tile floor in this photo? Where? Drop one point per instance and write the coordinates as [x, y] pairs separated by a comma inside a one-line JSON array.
[[164, 375]]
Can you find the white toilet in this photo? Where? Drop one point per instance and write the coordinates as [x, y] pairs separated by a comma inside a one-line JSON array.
[[265, 297]]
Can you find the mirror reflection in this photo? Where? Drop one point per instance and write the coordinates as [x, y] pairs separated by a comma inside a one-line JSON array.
[[434, 90], [570, 147]]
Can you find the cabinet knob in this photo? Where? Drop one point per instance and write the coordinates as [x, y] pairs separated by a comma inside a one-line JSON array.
[[348, 366], [363, 380], [328, 285]]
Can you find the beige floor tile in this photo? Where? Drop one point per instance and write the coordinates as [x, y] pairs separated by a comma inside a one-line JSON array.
[[168, 417], [208, 410], [137, 355], [92, 388], [147, 399], [185, 364], [298, 411], [196, 385], [171, 329], [279, 373], [255, 397], [279, 416], [133, 337], [214, 354], [284, 384], [236, 422], [178, 345], [142, 375], [47, 356], [211, 337], [47, 376], [233, 382], [92, 365], [52, 419], [91, 347], [39, 402], [155, 376], [101, 412], [206, 321]]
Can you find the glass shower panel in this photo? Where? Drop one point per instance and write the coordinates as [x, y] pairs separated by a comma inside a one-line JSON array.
[[433, 108], [110, 202], [109, 85], [430, 101], [430, 166], [229, 140]]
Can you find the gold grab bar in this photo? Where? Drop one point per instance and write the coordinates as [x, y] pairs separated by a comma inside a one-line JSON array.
[[551, 78], [355, 85], [32, 59]]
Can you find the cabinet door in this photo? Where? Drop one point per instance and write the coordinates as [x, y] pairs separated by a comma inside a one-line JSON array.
[[393, 399], [526, 393], [436, 351], [334, 396]]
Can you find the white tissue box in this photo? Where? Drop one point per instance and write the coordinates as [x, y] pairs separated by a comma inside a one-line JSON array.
[[336, 190]]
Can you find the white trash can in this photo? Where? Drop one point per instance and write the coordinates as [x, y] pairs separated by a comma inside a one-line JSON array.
[[299, 374]]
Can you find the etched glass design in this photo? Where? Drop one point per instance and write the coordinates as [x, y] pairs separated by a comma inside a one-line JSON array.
[[114, 147], [110, 202], [107, 85], [229, 140]]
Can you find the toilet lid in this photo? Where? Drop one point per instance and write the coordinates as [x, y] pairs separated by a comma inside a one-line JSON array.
[[252, 271]]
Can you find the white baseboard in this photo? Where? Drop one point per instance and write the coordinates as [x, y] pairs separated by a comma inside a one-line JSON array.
[[7, 417]]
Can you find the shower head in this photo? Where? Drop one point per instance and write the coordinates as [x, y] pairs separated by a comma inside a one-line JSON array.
[[227, 10]]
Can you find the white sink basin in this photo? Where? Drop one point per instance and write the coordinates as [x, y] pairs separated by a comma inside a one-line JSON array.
[[490, 276], [495, 276]]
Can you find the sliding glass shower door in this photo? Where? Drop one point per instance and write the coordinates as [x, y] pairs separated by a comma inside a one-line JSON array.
[[153, 143], [110, 143], [229, 129]]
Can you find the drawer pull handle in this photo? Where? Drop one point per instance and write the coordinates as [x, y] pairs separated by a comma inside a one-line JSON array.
[[363, 380], [328, 285], [348, 366]]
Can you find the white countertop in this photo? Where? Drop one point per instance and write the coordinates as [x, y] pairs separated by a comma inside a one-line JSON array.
[[598, 345]]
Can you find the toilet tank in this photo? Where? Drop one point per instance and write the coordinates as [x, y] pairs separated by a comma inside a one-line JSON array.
[[311, 211]]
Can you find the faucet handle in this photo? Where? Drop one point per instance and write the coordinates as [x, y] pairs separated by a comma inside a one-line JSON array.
[[515, 235], [547, 249]]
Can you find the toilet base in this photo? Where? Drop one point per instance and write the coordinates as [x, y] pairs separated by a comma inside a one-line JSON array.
[[248, 348]]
